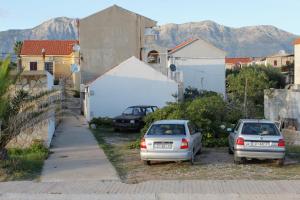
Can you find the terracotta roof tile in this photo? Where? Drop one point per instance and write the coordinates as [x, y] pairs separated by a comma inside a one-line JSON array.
[[297, 41], [183, 44], [52, 47], [237, 60]]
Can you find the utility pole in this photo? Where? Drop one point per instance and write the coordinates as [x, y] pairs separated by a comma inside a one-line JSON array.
[[245, 99]]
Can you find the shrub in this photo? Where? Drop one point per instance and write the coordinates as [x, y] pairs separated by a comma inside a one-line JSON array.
[[104, 122]]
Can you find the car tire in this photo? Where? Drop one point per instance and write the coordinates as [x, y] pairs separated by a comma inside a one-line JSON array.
[[147, 162], [238, 160], [192, 160], [230, 151], [280, 162], [200, 150]]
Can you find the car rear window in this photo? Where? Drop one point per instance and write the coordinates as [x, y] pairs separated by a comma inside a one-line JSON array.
[[267, 129], [167, 129]]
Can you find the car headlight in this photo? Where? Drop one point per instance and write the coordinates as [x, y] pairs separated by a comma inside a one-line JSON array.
[[132, 121]]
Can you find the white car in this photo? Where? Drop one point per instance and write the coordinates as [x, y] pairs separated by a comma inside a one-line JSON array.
[[171, 140]]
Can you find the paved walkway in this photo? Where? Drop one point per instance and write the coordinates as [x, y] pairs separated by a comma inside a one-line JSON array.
[[193, 189], [76, 155]]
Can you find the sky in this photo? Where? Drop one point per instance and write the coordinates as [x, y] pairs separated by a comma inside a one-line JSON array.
[[284, 14]]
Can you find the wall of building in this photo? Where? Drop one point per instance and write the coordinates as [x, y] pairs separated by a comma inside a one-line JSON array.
[[297, 64], [281, 60], [203, 66], [61, 64], [109, 37], [282, 104], [131, 83]]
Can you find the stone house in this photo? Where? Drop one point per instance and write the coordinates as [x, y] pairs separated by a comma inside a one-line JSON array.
[[54, 56], [237, 63], [279, 59]]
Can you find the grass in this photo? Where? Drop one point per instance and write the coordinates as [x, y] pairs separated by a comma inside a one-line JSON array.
[[23, 164]]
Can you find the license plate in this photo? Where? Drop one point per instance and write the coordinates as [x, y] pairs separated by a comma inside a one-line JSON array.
[[261, 144], [163, 146]]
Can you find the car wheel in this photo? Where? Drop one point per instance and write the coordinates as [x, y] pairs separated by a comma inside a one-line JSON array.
[[200, 150], [147, 162], [116, 130], [192, 160], [280, 162], [238, 160], [230, 150]]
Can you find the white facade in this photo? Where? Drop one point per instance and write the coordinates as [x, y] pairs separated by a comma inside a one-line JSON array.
[[133, 82], [297, 64], [202, 66]]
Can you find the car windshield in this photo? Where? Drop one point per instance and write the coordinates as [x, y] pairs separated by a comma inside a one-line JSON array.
[[267, 129], [132, 111], [167, 129]]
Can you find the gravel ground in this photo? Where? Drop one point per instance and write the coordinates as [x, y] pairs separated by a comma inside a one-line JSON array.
[[211, 164]]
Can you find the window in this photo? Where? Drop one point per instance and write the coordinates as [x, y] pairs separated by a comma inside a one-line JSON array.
[[236, 128], [287, 62], [49, 67], [275, 62], [167, 129], [260, 129], [153, 57], [33, 66], [191, 129]]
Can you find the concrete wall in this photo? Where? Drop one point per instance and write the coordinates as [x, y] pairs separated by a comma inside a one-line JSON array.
[[109, 37], [131, 83], [281, 103], [203, 66], [297, 64]]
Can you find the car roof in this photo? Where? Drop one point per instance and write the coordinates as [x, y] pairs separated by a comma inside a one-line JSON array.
[[143, 106], [256, 121], [171, 122]]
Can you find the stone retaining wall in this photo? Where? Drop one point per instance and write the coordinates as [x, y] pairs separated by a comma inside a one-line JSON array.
[[291, 137]]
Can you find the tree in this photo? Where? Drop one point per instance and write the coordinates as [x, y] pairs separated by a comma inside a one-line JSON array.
[[18, 47], [247, 88], [20, 110]]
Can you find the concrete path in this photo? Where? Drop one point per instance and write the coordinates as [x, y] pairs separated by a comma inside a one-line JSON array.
[[76, 155], [192, 189]]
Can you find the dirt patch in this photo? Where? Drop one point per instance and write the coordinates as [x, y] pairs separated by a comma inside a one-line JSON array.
[[211, 164]]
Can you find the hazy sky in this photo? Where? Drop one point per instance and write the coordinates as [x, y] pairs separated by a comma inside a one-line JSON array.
[[285, 14]]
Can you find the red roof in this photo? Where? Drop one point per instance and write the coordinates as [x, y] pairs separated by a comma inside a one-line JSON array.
[[183, 44], [237, 60], [297, 41], [52, 47]]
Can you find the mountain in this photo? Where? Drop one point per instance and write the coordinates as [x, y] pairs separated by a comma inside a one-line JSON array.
[[57, 28], [237, 42]]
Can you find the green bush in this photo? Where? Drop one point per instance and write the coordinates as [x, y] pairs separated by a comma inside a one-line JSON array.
[[104, 122]]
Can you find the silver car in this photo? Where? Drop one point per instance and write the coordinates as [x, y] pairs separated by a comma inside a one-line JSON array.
[[171, 140], [260, 139]]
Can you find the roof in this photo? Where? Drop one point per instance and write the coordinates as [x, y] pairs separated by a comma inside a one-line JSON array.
[[183, 44], [237, 60], [171, 121], [297, 41], [131, 62], [52, 47], [256, 121]]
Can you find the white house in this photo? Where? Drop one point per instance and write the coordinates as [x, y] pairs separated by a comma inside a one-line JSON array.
[[202, 65], [132, 82]]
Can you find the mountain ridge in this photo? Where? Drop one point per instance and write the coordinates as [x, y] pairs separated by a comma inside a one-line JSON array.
[[248, 41]]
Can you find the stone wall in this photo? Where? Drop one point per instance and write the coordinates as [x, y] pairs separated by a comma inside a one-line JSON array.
[[291, 137], [282, 104]]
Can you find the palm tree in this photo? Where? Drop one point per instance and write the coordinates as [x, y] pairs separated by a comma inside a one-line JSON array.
[[17, 49]]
